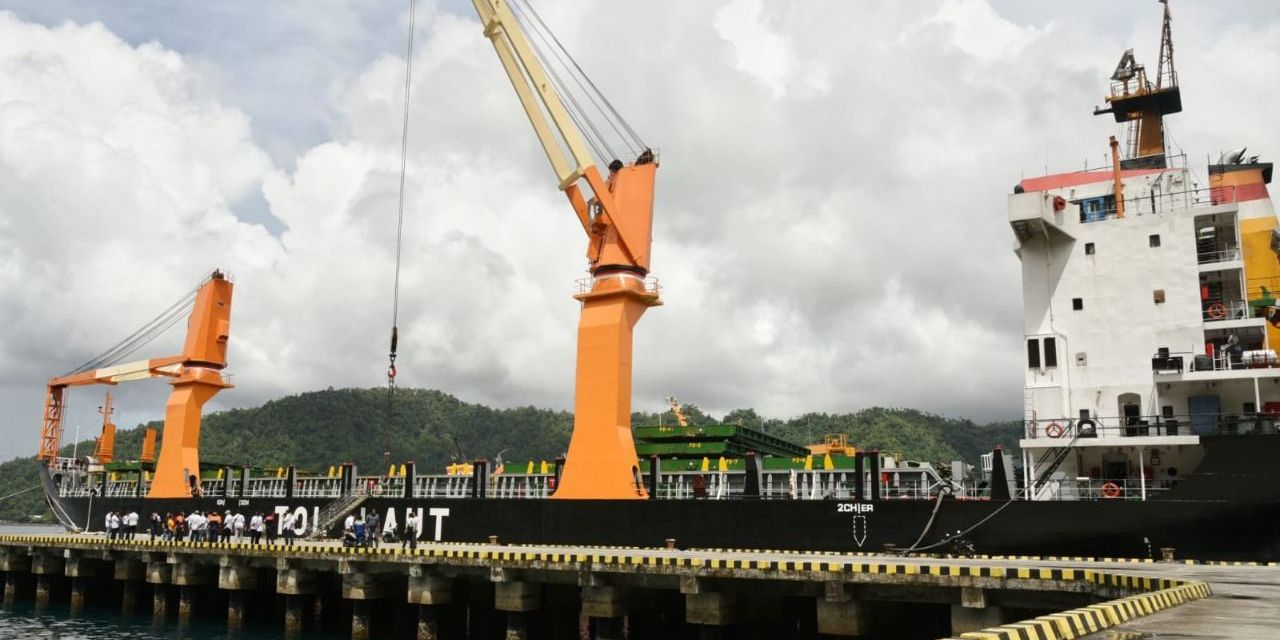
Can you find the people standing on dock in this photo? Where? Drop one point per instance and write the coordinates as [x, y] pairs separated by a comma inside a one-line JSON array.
[[170, 526], [255, 528], [197, 523], [112, 525], [359, 530], [237, 527], [157, 526], [180, 526], [374, 526], [409, 535], [289, 531], [349, 525], [270, 527], [213, 526]]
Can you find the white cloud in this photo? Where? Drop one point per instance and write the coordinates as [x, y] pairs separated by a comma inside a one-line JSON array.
[[830, 226], [977, 30], [764, 53]]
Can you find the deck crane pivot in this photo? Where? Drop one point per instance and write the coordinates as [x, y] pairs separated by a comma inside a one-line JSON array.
[[616, 213], [195, 376]]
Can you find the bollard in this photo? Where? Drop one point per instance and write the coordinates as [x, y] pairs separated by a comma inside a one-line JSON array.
[[671, 543], [1166, 554]]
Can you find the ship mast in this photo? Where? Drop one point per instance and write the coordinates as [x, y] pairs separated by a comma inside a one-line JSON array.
[[1142, 104]]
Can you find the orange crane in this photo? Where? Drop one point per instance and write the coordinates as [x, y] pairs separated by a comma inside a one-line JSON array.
[[195, 376], [616, 213]]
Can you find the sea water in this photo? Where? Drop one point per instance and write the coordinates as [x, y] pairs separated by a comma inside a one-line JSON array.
[[102, 622]]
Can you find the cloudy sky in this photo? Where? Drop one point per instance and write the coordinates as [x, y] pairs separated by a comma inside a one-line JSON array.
[[830, 223]]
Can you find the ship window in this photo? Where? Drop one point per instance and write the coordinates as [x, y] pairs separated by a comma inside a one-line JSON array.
[[1077, 304], [1153, 240], [1088, 248], [1050, 352], [1033, 353]]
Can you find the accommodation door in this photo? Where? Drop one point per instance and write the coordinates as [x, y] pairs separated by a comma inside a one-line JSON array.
[[1204, 412]]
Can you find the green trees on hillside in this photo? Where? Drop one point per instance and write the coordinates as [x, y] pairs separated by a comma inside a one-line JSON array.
[[316, 429]]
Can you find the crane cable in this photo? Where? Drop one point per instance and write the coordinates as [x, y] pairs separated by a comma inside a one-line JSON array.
[[395, 297], [562, 70]]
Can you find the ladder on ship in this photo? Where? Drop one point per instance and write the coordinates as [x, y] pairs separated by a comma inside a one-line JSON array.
[[1053, 459], [335, 511]]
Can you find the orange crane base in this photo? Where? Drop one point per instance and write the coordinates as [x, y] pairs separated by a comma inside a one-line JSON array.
[[601, 462], [180, 445]]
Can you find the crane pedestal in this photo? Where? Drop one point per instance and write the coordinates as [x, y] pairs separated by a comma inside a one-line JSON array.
[[602, 463], [180, 444]]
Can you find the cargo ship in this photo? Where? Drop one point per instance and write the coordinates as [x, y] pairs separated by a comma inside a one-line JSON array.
[[1152, 385]]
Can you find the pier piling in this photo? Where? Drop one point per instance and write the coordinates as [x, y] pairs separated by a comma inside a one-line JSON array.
[[159, 602], [514, 592], [293, 615]]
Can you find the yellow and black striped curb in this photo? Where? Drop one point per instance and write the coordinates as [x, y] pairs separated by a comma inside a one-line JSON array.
[[618, 557], [1084, 621]]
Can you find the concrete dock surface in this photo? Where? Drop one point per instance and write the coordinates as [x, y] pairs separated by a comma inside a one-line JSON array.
[[1245, 605]]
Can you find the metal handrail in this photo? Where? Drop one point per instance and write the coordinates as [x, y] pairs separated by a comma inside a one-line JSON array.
[[1151, 426], [1103, 489], [1154, 203]]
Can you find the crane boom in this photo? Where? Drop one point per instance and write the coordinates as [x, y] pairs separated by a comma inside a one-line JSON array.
[[617, 217], [195, 378], [529, 78]]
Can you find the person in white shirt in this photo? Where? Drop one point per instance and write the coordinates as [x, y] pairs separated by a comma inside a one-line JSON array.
[[131, 522], [410, 537], [289, 531], [197, 522], [238, 526], [109, 523], [349, 524], [255, 528]]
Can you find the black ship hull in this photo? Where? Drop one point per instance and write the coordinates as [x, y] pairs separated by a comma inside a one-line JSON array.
[[1201, 530], [1229, 510]]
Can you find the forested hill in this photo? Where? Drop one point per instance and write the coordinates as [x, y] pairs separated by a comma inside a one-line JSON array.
[[316, 429]]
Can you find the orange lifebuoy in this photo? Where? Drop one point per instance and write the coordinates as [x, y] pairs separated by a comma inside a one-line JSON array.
[[1110, 490], [1216, 311], [1054, 430]]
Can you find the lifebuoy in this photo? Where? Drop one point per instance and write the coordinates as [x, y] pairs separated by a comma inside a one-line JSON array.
[[1110, 490], [1217, 311], [1054, 430]]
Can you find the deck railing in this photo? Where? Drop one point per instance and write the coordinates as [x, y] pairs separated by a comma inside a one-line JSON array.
[[1066, 429], [1153, 203], [1100, 489]]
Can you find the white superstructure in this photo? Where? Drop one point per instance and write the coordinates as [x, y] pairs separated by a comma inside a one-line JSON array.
[[1146, 330]]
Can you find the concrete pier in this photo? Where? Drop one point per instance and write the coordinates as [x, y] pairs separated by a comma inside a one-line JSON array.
[[493, 591], [160, 602]]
